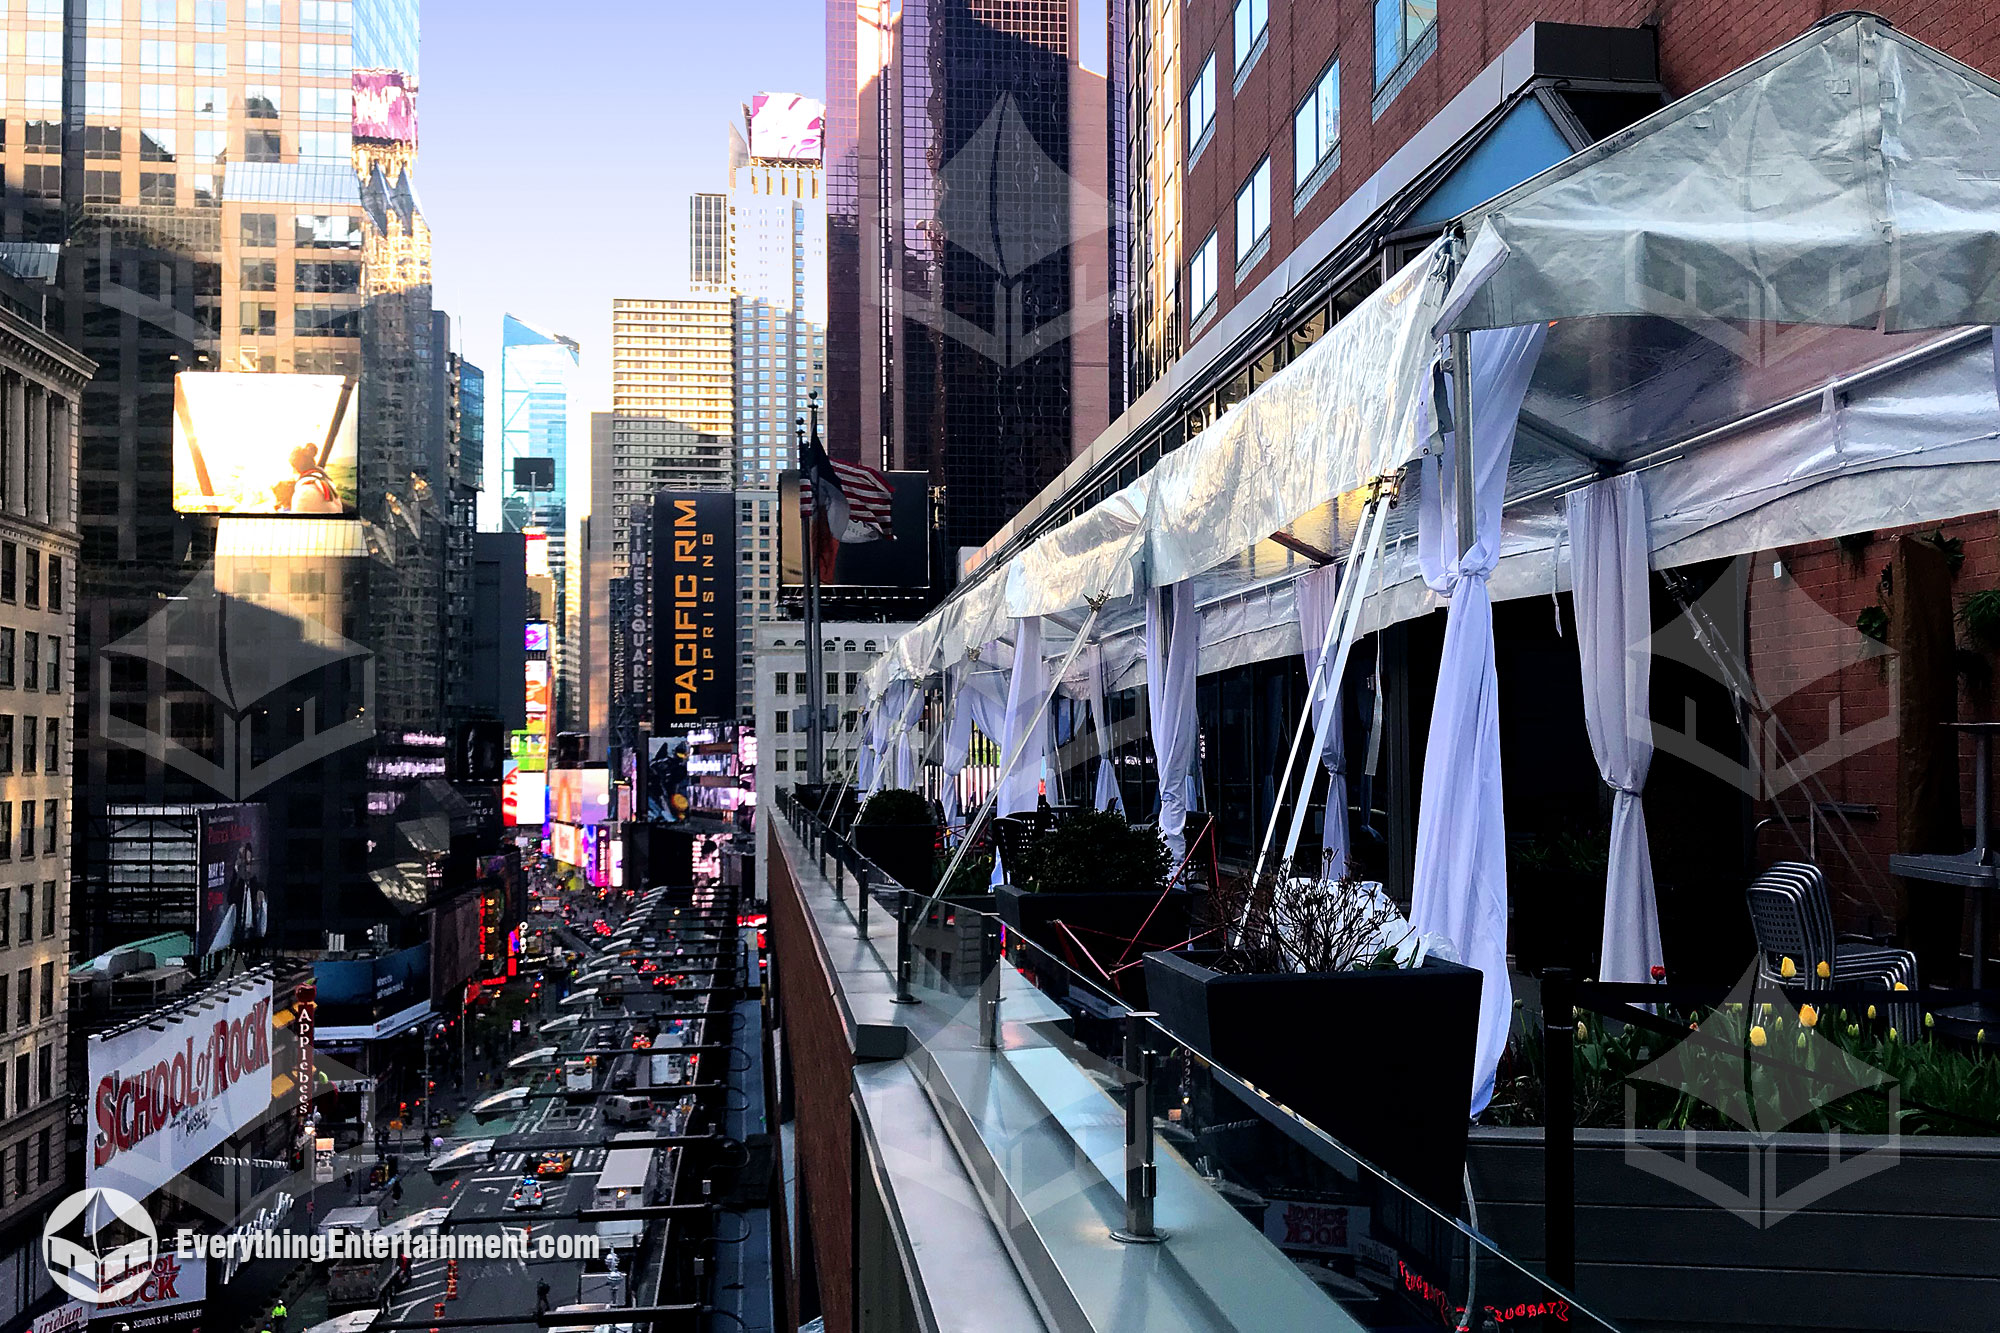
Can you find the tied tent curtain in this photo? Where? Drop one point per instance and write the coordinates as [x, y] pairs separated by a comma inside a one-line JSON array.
[[1107, 795], [1610, 560], [1316, 594], [1461, 864], [975, 702], [868, 770], [1027, 686], [909, 708], [1171, 652]]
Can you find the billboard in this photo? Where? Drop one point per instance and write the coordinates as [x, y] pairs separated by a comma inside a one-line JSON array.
[[264, 444], [580, 795], [787, 127], [364, 998], [170, 1299], [232, 908], [524, 798], [667, 782], [899, 561], [385, 106], [538, 693], [165, 1093], [566, 843], [694, 608], [535, 637], [454, 951], [535, 552]]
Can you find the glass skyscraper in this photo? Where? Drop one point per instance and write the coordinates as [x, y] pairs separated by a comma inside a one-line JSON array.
[[538, 378]]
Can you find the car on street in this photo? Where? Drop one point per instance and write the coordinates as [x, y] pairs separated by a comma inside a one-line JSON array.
[[527, 1195], [555, 1164]]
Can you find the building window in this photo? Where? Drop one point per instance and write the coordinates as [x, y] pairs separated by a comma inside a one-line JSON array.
[[51, 812], [1400, 29], [23, 1097], [31, 587], [31, 659], [102, 53], [323, 146], [52, 745], [1202, 277], [6, 931], [54, 659], [55, 583], [6, 742], [262, 57], [30, 743], [1252, 21], [260, 275], [48, 909], [1253, 211], [260, 229], [263, 13], [157, 13], [263, 146], [48, 993], [1201, 108], [156, 144], [10, 563], [45, 1058], [257, 319], [6, 658], [28, 813], [1316, 126], [156, 187]]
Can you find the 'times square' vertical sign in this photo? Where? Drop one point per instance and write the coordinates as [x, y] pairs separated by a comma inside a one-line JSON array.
[[694, 608]]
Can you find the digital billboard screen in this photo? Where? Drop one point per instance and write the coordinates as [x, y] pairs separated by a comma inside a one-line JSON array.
[[361, 999], [900, 560], [694, 608], [566, 844], [214, 1059], [524, 798], [233, 908], [264, 444], [385, 106], [535, 638], [787, 127]]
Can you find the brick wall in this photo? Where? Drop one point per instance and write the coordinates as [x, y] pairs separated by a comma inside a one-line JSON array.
[[1700, 40], [822, 1074], [1828, 682]]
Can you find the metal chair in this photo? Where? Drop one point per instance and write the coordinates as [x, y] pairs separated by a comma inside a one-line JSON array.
[[1792, 919]]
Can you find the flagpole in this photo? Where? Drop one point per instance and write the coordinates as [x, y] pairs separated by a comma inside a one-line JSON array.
[[809, 546]]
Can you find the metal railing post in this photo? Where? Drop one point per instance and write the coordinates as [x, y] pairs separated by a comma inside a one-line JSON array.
[[862, 894], [904, 901], [839, 872], [1559, 1117], [989, 982], [1142, 1180]]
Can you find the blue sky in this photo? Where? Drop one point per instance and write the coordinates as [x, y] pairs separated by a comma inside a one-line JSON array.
[[559, 144]]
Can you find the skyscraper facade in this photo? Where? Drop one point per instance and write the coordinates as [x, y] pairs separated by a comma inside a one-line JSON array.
[[538, 386], [708, 243], [970, 294]]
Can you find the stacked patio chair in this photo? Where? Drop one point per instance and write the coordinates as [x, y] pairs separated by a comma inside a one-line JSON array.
[[1791, 916]]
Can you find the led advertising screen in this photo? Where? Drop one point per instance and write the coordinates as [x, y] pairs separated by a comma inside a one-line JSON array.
[[264, 444], [694, 608], [901, 560], [580, 795], [537, 677], [214, 1058], [361, 999], [385, 106], [786, 127], [566, 844], [535, 552], [524, 798], [535, 638], [235, 869]]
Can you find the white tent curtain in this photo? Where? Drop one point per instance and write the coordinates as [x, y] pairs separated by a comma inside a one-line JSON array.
[[868, 770], [1317, 592], [1460, 887], [1025, 725], [909, 708], [975, 702], [1610, 557], [1171, 657], [1106, 796]]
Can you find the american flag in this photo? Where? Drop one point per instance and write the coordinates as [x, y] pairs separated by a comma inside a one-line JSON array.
[[858, 497]]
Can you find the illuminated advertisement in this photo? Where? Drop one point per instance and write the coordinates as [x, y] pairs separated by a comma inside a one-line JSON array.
[[786, 127], [538, 693], [580, 795], [524, 798], [667, 787], [529, 750], [536, 637], [566, 844], [694, 608], [385, 106], [264, 444], [361, 999], [232, 908], [215, 1061], [535, 547]]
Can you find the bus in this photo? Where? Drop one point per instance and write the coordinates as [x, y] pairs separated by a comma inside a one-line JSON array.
[[628, 1180]]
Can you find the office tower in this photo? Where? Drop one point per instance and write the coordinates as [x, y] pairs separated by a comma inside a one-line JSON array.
[[968, 262], [538, 384], [708, 243], [41, 382], [670, 428], [777, 268], [1149, 97]]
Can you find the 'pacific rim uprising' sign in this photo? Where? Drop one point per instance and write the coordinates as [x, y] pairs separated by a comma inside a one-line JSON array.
[[694, 608]]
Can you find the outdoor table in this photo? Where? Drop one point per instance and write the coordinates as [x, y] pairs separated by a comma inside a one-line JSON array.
[[1976, 871]]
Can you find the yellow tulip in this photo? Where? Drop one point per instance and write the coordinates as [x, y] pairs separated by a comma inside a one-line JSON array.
[[1901, 986], [1582, 1032], [1823, 970], [1892, 1034], [1930, 1020], [1757, 1037], [1871, 1011], [1853, 1029], [1808, 1016], [1787, 968], [1980, 1036]]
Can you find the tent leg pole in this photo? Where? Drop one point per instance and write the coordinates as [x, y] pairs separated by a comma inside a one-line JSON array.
[[1461, 434]]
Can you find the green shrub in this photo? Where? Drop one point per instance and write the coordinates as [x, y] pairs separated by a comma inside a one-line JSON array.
[[896, 805], [1094, 851]]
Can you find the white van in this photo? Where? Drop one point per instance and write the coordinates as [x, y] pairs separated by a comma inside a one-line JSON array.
[[627, 1110]]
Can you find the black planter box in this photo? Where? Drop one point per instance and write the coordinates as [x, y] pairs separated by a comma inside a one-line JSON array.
[[1101, 921], [1380, 1060], [905, 852]]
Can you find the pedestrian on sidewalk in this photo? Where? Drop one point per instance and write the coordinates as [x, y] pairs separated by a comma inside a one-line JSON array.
[[280, 1316], [542, 1296]]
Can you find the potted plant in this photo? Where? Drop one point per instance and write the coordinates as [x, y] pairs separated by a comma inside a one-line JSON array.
[[1320, 995], [895, 830], [1092, 882]]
